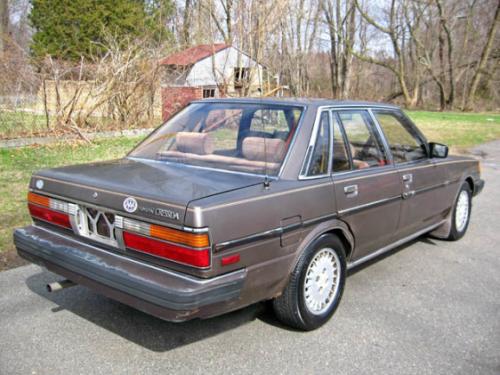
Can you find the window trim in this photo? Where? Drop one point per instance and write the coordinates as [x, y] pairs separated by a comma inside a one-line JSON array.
[[417, 131], [312, 144]]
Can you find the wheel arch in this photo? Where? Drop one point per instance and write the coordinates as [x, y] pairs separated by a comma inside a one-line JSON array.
[[470, 181], [443, 231], [335, 227]]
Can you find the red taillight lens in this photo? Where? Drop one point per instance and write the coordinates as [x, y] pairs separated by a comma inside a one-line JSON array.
[[49, 215], [197, 258]]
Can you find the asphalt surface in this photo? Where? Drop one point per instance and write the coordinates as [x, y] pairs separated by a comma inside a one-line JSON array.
[[430, 307]]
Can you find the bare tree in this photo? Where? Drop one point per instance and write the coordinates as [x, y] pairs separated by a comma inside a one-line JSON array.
[[222, 20], [395, 28], [485, 54], [187, 22], [340, 19], [424, 20], [298, 38]]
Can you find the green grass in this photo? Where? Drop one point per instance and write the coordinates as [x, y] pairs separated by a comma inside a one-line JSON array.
[[457, 130], [17, 165], [14, 124]]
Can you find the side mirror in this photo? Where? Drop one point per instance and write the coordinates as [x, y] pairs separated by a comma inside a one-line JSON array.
[[438, 150]]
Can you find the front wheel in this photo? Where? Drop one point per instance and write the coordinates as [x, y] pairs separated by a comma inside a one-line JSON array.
[[315, 286], [461, 213]]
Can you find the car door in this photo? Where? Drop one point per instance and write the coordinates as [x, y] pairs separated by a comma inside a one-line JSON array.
[[422, 182], [367, 186]]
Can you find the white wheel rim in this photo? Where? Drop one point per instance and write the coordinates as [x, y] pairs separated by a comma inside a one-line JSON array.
[[462, 211], [321, 282]]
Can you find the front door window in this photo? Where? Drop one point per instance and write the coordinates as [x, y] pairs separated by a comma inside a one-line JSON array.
[[405, 143]]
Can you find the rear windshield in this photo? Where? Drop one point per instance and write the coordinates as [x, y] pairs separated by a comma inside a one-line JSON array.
[[250, 138]]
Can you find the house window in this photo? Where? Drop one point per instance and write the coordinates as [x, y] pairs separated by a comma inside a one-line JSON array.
[[241, 76], [208, 93]]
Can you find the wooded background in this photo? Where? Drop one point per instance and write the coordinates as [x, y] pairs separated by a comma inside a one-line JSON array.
[[433, 54]]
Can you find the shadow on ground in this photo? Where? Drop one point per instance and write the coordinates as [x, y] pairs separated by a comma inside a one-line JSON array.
[[150, 332], [133, 325]]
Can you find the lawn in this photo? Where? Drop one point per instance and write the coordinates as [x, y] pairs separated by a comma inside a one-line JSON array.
[[460, 131], [21, 124]]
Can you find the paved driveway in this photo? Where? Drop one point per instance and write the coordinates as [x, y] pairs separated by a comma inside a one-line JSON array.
[[430, 307]]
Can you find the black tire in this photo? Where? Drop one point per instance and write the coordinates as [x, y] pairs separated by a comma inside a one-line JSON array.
[[291, 308], [457, 233]]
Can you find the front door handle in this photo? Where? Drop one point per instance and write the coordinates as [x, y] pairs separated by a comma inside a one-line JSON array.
[[351, 191], [408, 194]]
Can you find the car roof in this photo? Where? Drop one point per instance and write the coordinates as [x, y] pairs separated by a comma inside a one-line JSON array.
[[310, 102]]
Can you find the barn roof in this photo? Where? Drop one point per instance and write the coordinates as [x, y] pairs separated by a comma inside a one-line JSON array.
[[194, 54]]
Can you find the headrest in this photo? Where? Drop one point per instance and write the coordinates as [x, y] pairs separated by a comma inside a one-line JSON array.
[[194, 143], [263, 149]]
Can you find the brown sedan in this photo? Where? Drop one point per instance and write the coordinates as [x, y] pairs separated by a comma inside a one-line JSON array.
[[237, 201]]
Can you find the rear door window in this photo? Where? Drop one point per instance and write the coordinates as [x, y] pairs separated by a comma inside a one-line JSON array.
[[364, 141]]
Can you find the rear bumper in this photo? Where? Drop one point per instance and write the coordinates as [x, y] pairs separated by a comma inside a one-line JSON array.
[[164, 293]]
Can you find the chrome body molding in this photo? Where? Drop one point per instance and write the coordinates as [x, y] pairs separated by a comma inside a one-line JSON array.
[[369, 205], [272, 233], [393, 245]]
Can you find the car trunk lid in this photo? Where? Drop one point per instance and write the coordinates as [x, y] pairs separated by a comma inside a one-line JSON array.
[[162, 190]]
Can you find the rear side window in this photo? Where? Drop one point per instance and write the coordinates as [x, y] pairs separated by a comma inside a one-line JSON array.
[[363, 140], [404, 141], [318, 164]]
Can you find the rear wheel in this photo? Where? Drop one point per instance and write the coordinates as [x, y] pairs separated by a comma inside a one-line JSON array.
[[461, 213], [315, 286]]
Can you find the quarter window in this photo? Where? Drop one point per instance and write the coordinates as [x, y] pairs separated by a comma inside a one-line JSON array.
[[318, 164], [363, 140], [405, 143]]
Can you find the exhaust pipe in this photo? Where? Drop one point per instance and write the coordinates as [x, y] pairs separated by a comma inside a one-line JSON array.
[[59, 285]]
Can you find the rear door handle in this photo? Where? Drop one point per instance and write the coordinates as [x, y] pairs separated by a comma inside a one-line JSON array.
[[408, 178], [351, 190]]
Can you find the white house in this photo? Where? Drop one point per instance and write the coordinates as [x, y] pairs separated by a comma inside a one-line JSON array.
[[210, 70]]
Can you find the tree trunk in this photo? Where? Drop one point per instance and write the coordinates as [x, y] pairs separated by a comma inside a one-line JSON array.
[[186, 22], [4, 23], [484, 59], [350, 35]]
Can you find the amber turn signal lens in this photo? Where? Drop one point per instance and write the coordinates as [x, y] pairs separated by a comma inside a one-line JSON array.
[[197, 240], [38, 199]]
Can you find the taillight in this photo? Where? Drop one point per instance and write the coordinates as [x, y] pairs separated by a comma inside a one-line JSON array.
[[188, 248], [193, 257], [48, 209]]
